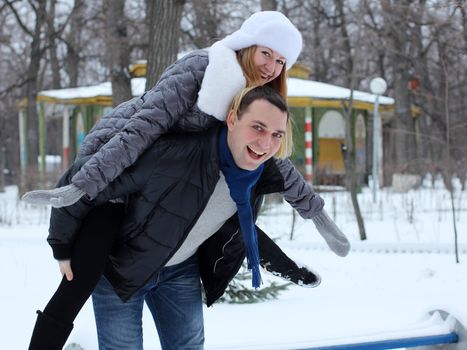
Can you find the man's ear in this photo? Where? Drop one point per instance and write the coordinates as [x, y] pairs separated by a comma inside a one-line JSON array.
[[231, 118]]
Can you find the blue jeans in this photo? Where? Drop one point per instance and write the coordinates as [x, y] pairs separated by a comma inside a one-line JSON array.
[[174, 298]]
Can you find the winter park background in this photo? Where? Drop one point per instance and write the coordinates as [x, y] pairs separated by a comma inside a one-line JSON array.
[[386, 285]]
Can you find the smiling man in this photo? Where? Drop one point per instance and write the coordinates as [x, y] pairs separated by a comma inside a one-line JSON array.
[[187, 217], [256, 133]]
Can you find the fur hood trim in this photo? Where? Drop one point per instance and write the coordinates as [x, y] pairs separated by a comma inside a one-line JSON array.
[[222, 81]]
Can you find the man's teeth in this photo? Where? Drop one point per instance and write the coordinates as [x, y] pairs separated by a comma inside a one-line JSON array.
[[257, 153]]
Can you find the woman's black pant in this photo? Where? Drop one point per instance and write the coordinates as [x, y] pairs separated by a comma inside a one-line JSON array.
[[88, 261]]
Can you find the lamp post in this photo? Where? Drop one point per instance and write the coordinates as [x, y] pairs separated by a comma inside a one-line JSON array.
[[377, 87]]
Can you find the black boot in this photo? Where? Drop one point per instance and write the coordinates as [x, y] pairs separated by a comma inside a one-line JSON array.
[[48, 333]]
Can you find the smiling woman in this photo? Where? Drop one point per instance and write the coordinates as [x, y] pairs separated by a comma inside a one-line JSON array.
[[269, 63]]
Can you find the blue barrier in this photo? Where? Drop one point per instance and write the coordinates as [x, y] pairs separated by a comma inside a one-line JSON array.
[[452, 335], [395, 343]]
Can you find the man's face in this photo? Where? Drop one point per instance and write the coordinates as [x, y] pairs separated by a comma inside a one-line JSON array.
[[257, 135]]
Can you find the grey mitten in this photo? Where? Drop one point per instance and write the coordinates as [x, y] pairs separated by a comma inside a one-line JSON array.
[[335, 239], [57, 198]]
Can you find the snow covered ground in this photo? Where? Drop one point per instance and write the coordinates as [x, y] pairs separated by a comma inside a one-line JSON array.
[[386, 285]]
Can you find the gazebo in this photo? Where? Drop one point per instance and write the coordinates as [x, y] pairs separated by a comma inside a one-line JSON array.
[[317, 108]]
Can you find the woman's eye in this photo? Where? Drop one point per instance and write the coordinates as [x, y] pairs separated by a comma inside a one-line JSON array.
[[278, 136], [267, 54], [281, 62], [257, 127]]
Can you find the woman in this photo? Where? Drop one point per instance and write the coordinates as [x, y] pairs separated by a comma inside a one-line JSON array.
[[193, 94]]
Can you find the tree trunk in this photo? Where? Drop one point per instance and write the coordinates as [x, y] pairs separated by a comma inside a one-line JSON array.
[[73, 43], [464, 20], [117, 50], [320, 64], [349, 162], [268, 5], [2, 169], [397, 26], [403, 122], [349, 154], [423, 91], [31, 87], [52, 46], [348, 63], [164, 33]]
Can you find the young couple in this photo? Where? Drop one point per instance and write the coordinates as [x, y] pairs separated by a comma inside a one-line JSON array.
[[156, 215]]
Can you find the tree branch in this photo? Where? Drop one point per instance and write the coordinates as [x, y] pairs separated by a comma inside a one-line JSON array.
[[20, 22]]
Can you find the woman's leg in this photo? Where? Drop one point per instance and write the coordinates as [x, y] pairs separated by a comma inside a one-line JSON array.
[[88, 261], [89, 257], [177, 308]]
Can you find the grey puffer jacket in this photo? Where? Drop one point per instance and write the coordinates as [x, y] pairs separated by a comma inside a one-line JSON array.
[[193, 94]]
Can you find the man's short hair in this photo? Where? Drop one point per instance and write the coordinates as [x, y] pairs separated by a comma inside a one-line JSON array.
[[247, 96]]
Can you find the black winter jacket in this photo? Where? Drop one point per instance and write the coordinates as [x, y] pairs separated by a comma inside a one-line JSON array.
[[166, 191]]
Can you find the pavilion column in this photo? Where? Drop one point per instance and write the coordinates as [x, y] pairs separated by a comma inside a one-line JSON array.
[[42, 142], [66, 138]]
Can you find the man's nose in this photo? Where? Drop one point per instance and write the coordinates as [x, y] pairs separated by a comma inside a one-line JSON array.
[[265, 142]]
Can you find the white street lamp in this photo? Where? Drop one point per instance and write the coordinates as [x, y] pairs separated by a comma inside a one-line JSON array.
[[378, 87]]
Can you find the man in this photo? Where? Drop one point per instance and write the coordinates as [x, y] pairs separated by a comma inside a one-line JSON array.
[[185, 200]]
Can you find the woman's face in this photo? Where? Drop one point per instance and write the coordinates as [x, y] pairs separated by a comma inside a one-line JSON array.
[[269, 63]]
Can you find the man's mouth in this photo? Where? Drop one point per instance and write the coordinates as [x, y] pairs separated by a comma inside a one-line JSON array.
[[254, 153]]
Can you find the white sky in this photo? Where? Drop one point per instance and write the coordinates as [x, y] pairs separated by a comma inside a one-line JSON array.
[[385, 287]]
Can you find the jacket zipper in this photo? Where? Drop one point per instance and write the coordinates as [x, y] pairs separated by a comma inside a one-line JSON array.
[[223, 251]]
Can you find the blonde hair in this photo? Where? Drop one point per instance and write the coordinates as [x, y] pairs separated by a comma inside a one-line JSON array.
[[245, 58], [247, 96]]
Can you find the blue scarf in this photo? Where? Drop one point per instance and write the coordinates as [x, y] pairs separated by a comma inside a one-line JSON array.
[[240, 183]]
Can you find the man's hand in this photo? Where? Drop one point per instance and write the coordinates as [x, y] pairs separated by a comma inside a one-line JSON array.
[[65, 269], [57, 198]]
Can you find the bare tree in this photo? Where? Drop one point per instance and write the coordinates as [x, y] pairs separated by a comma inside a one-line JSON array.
[[72, 41], [117, 50], [201, 23], [164, 33], [35, 55], [52, 45], [206, 21], [396, 21], [315, 38], [448, 170], [461, 5], [84, 40], [349, 154]]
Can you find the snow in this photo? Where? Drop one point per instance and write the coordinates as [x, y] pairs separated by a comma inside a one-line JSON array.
[[99, 90], [295, 87], [385, 288], [315, 89]]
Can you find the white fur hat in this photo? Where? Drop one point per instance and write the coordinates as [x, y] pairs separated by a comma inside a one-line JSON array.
[[271, 29]]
